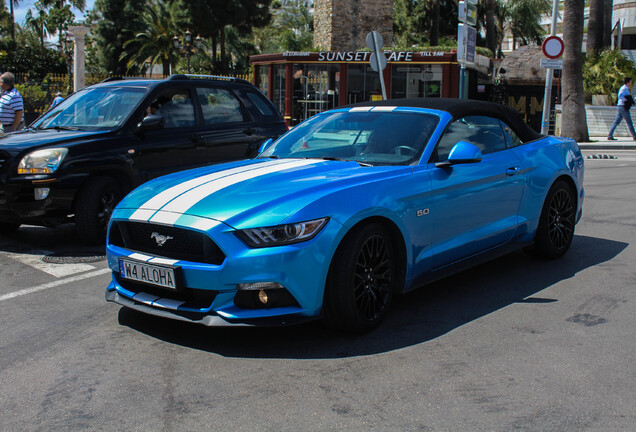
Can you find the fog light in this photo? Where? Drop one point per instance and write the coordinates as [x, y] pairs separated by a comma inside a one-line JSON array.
[[262, 297], [41, 193]]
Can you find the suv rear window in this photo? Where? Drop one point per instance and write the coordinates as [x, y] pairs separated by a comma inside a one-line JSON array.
[[261, 106]]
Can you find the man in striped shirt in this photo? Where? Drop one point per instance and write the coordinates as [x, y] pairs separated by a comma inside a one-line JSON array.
[[11, 105]]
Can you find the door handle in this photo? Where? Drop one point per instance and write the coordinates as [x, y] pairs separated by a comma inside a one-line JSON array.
[[248, 131], [512, 171]]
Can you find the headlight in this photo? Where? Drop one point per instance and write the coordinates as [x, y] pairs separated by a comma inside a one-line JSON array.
[[44, 161], [281, 234]]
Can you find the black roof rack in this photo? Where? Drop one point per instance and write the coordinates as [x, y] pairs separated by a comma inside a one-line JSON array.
[[120, 78], [214, 77]]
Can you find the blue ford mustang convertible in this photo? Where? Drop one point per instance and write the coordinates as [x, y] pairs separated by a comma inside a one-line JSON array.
[[346, 210]]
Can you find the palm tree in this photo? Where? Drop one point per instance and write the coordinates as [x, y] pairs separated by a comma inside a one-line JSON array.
[[524, 20], [13, 3], [595, 27], [491, 38], [574, 122], [38, 24], [163, 19], [60, 14]]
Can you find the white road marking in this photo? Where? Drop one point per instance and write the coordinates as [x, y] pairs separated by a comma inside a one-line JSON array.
[[34, 259], [53, 284]]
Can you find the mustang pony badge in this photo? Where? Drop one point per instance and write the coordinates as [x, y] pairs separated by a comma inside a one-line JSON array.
[[159, 238]]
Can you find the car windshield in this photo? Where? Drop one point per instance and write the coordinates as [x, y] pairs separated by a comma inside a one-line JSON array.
[[368, 137], [100, 108]]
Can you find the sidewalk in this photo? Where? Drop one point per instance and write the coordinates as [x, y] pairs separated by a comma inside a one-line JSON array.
[[601, 143]]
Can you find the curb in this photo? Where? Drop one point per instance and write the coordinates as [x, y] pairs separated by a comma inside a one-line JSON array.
[[601, 143], [595, 146]]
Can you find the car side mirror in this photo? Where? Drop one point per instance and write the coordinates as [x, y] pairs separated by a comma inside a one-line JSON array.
[[264, 146], [150, 122], [462, 153]]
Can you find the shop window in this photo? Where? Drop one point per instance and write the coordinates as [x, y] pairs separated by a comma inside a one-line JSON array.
[[263, 79], [279, 88], [315, 89], [363, 84], [412, 81]]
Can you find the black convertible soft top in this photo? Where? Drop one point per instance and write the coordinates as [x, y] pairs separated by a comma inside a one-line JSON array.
[[463, 107]]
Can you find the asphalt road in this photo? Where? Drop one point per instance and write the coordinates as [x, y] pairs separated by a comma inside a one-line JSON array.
[[514, 345]]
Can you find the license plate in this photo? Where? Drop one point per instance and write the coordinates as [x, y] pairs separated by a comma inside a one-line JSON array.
[[148, 273]]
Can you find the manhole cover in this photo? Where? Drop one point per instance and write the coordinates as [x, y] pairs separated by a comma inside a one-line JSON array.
[[74, 257], [600, 156]]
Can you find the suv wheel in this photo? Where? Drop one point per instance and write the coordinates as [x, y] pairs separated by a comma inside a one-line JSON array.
[[94, 206]]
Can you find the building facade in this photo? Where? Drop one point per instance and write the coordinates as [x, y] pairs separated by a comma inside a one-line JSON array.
[[342, 25]]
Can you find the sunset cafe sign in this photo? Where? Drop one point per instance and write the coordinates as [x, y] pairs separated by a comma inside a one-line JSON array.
[[363, 56]]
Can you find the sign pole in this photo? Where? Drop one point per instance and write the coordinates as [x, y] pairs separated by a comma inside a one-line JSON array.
[[377, 61], [462, 81], [549, 73], [466, 40]]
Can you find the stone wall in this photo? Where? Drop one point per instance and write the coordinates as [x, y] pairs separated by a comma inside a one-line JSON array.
[[342, 25]]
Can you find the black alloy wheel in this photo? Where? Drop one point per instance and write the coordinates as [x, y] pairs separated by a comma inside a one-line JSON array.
[[361, 281], [556, 224], [561, 219], [372, 278], [107, 202]]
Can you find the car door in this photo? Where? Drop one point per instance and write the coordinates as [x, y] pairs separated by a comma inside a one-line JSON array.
[[474, 205], [226, 132], [171, 147]]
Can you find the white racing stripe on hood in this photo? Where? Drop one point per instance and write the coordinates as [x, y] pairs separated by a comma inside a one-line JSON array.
[[174, 209], [149, 208]]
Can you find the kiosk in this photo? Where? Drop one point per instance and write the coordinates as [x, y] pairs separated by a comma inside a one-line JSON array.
[[302, 84]]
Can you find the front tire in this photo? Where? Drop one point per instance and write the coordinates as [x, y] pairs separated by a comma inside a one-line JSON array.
[[361, 281], [556, 224], [93, 208]]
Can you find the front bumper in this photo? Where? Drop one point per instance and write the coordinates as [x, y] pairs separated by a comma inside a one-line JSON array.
[[208, 292], [19, 205], [206, 319]]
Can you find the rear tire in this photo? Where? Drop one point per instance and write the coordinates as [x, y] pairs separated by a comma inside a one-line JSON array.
[[556, 224], [361, 281], [93, 208]]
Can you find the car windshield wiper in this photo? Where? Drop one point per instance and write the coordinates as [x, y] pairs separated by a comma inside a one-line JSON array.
[[59, 128]]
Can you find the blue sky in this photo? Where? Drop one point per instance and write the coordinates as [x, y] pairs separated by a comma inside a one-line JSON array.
[[21, 10]]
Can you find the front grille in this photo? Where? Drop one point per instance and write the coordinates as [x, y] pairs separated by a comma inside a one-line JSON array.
[[181, 244]]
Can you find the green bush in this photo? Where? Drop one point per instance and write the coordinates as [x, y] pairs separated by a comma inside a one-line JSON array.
[[34, 60], [35, 98], [604, 74]]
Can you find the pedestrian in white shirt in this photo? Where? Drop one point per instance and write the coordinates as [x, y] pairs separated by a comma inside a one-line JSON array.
[[11, 105], [625, 102]]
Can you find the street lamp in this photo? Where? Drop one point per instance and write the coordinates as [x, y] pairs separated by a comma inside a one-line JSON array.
[[65, 45], [187, 48]]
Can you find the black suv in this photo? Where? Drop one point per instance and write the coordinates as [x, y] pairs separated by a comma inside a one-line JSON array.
[[80, 158]]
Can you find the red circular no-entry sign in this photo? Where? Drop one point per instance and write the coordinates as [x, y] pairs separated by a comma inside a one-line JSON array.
[[553, 47]]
